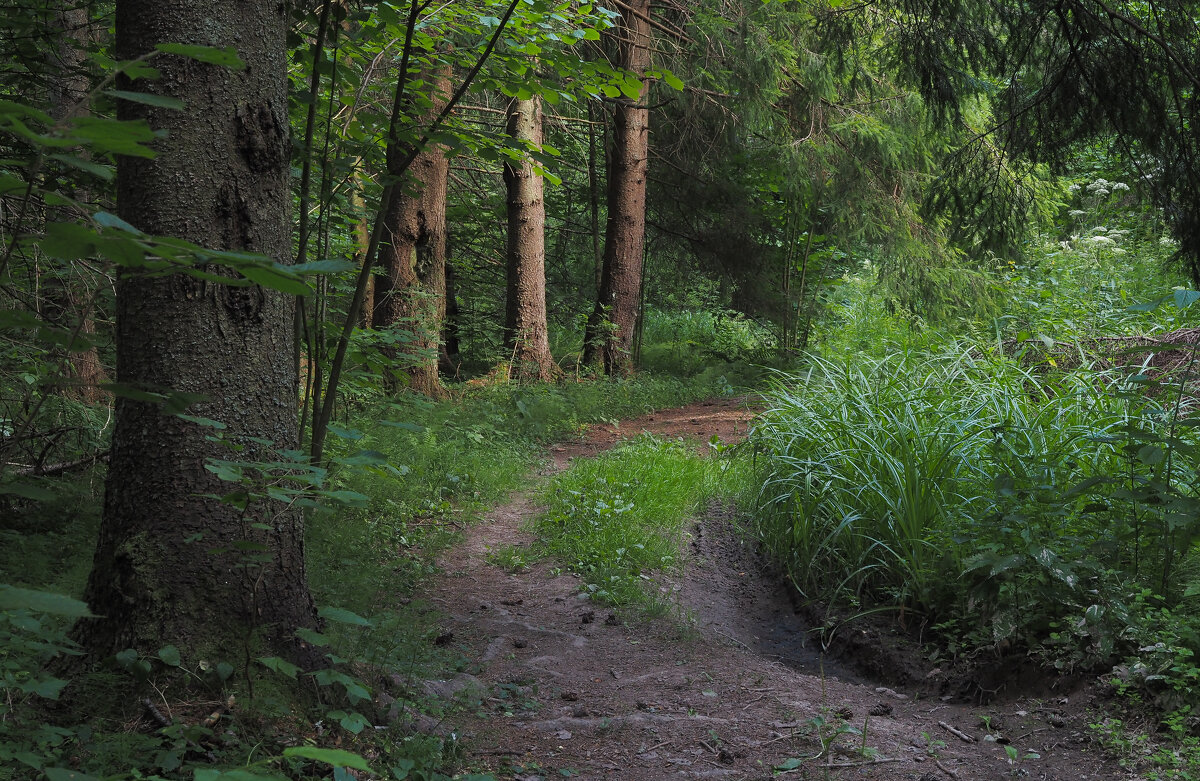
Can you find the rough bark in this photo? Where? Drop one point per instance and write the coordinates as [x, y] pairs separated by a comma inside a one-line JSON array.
[[173, 566], [410, 296], [526, 338], [608, 339]]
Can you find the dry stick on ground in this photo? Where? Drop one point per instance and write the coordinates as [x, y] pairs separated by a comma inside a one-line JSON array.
[[957, 732], [862, 763]]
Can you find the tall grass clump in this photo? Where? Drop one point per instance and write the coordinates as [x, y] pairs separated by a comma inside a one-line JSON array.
[[971, 491]]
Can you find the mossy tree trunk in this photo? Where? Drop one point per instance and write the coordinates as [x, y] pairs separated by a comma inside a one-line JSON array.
[[172, 565], [410, 296], [526, 338], [608, 339]]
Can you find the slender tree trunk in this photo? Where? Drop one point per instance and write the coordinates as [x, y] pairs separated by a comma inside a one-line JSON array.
[[450, 356], [362, 243], [802, 305], [411, 295], [594, 195], [608, 339], [173, 565], [525, 333], [69, 304]]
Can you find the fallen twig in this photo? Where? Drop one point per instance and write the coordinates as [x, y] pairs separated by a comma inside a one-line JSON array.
[[944, 769], [734, 639], [861, 763], [957, 732], [1030, 732]]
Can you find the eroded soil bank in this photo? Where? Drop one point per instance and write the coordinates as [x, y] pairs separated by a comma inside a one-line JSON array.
[[729, 687]]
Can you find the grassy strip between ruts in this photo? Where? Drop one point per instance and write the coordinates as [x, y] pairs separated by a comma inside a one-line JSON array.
[[619, 520]]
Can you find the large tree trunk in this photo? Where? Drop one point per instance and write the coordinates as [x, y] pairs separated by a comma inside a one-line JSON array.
[[411, 294], [525, 334], [608, 339], [173, 565]]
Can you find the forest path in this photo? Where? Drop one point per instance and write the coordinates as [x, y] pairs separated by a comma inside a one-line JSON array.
[[564, 688]]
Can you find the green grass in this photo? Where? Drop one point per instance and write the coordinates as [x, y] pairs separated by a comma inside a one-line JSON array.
[[452, 460], [973, 492], [620, 520], [412, 474]]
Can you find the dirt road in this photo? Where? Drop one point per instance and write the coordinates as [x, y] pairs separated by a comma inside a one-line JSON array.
[[728, 688]]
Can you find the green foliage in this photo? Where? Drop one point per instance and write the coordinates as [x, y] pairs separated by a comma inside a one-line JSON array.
[[452, 459], [619, 520], [685, 342], [970, 490]]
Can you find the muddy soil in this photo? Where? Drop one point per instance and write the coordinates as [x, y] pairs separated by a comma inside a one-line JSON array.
[[730, 687]]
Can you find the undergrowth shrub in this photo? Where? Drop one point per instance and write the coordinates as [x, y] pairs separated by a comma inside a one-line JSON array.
[[686, 342]]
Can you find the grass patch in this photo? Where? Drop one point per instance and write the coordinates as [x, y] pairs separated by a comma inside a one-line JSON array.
[[619, 520], [451, 461], [1011, 509]]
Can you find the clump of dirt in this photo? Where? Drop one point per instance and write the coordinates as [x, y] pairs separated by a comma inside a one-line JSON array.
[[732, 686]]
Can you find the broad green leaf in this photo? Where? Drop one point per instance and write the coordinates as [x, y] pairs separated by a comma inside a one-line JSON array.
[[281, 666], [364, 458], [330, 756], [12, 598], [49, 688], [146, 98], [169, 655], [69, 241], [349, 498], [106, 220], [631, 87], [137, 69], [211, 55], [672, 80], [110, 135], [345, 433], [275, 280], [353, 721], [329, 266], [312, 637], [402, 425], [342, 616], [207, 422], [1185, 298], [98, 170]]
